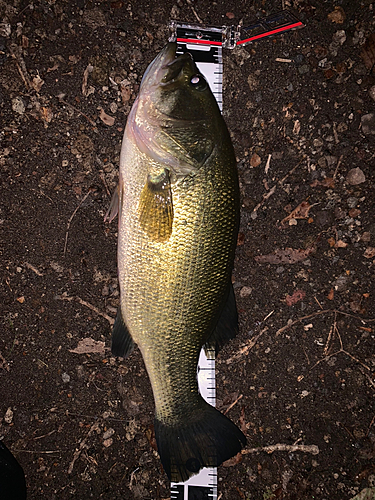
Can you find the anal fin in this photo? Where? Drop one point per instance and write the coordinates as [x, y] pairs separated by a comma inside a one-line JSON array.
[[122, 343], [227, 325]]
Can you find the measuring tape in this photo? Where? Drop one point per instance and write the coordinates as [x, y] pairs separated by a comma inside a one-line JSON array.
[[206, 46], [202, 486]]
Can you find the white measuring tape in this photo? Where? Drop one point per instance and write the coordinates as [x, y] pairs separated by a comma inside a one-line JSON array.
[[206, 47]]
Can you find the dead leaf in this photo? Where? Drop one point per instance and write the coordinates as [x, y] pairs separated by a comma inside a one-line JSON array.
[[107, 119], [355, 303], [89, 345], [37, 83], [46, 114], [331, 294], [337, 16], [298, 295], [86, 73], [233, 461], [369, 252], [300, 212], [240, 239], [285, 256], [341, 244], [21, 300], [331, 242], [242, 421], [368, 52], [328, 182], [297, 127], [255, 160]]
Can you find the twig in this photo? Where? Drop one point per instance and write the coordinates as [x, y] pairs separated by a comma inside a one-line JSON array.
[[3, 363], [317, 301], [268, 315], [32, 268], [45, 435], [290, 448], [82, 445], [273, 189], [36, 451], [286, 327], [79, 112], [21, 66], [371, 424], [246, 348], [71, 218], [87, 304], [336, 330], [194, 11], [235, 402], [337, 167]]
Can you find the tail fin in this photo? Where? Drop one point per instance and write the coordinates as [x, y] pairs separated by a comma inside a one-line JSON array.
[[205, 440]]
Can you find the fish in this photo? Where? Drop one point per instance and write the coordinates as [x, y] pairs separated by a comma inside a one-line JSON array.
[[12, 477], [178, 207]]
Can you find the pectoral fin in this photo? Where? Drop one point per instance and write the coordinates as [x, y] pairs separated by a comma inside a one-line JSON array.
[[114, 206], [122, 343], [156, 208]]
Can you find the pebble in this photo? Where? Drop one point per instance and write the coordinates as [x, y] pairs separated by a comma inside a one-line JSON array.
[[352, 202], [65, 377], [108, 433], [368, 124], [8, 417], [305, 68], [245, 291], [341, 283], [371, 93], [18, 105], [355, 176]]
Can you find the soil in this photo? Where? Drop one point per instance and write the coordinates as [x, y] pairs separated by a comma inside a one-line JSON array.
[[302, 370]]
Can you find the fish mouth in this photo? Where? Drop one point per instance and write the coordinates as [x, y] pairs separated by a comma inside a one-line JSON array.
[[167, 67], [174, 68]]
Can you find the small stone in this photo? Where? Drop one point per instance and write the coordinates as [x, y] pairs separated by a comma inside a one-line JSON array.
[[245, 291], [108, 433], [354, 212], [252, 81], [355, 176], [18, 105], [323, 218], [352, 202], [366, 237], [8, 417], [341, 283], [368, 124], [317, 143], [108, 442], [65, 378], [305, 68], [369, 252], [371, 92]]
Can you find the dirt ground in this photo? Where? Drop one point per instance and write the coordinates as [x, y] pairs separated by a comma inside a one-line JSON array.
[[302, 370]]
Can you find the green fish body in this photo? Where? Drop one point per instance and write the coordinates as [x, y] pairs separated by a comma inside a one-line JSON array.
[[178, 205]]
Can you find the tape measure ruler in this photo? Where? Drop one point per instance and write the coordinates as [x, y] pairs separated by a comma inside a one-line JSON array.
[[206, 45]]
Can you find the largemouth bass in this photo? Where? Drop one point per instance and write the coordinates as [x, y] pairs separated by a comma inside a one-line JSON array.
[[178, 206]]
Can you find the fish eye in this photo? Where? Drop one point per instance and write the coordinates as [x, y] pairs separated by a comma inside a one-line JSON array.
[[198, 82]]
